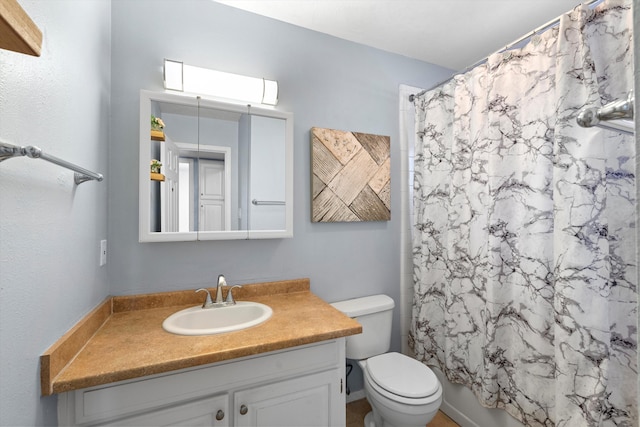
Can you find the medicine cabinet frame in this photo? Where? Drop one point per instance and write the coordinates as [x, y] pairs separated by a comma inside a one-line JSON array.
[[199, 102]]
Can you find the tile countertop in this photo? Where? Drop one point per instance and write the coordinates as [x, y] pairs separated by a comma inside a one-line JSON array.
[[123, 338]]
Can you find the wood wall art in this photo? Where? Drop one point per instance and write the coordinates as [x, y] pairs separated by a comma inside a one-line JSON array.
[[351, 176]]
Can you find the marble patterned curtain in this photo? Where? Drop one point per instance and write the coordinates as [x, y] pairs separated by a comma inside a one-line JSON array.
[[524, 235]]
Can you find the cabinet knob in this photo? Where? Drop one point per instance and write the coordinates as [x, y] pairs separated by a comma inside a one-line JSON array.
[[244, 410], [220, 414]]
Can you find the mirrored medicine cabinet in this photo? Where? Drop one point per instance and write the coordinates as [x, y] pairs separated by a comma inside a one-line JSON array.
[[215, 171]]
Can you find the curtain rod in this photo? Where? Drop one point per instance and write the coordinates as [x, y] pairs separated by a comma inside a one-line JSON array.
[[543, 27]]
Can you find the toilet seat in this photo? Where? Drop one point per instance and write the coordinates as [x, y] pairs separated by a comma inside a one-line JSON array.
[[402, 376]]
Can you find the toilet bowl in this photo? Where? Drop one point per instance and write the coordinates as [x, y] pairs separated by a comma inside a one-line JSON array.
[[402, 391], [401, 399]]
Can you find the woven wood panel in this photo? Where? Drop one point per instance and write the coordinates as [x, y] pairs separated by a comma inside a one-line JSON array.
[[351, 176]]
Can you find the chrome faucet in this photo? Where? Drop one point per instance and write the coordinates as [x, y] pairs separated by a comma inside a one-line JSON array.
[[221, 282], [219, 302]]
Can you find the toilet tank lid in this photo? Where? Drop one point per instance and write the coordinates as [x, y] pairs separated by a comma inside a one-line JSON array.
[[365, 305]]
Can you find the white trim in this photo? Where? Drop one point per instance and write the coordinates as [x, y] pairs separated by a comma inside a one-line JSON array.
[[407, 135], [355, 395]]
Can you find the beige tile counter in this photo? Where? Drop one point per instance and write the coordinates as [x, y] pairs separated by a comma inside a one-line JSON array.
[[123, 337]]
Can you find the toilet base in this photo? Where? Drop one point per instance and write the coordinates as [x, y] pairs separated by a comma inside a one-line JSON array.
[[368, 420]]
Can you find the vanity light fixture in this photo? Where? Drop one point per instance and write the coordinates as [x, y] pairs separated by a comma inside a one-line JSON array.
[[187, 78]]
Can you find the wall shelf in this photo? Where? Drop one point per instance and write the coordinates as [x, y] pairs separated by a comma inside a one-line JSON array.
[[157, 177], [17, 31], [157, 135]]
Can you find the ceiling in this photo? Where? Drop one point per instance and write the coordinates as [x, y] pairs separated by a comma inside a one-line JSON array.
[[450, 33]]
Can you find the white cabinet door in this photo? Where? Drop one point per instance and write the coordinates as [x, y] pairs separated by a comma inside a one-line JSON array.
[[267, 174], [212, 411], [312, 400]]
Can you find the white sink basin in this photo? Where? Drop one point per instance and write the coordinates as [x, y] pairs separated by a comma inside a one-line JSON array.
[[216, 320]]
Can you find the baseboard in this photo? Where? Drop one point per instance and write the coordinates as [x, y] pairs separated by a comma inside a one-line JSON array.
[[456, 415], [355, 395]]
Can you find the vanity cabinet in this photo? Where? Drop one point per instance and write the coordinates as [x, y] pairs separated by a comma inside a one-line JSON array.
[[300, 386], [297, 402]]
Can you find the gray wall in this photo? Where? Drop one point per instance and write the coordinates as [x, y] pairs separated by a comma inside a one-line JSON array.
[[75, 106], [324, 81], [49, 228]]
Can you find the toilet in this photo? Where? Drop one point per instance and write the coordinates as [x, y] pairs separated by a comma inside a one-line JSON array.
[[402, 391]]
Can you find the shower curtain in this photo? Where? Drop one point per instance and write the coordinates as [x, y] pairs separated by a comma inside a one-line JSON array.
[[524, 228]]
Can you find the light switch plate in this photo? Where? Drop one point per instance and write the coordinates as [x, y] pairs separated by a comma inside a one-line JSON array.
[[103, 252]]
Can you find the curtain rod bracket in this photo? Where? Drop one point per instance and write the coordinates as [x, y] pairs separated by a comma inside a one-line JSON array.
[[616, 110]]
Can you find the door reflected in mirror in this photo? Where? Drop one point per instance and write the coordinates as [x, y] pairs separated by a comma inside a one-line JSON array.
[[225, 171]]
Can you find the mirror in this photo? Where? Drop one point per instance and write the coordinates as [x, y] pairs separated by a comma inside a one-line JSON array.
[[211, 170]]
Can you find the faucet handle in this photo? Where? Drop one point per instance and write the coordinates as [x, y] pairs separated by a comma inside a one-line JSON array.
[[207, 302], [229, 299]]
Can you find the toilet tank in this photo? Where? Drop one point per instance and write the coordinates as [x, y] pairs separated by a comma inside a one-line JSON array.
[[375, 314]]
